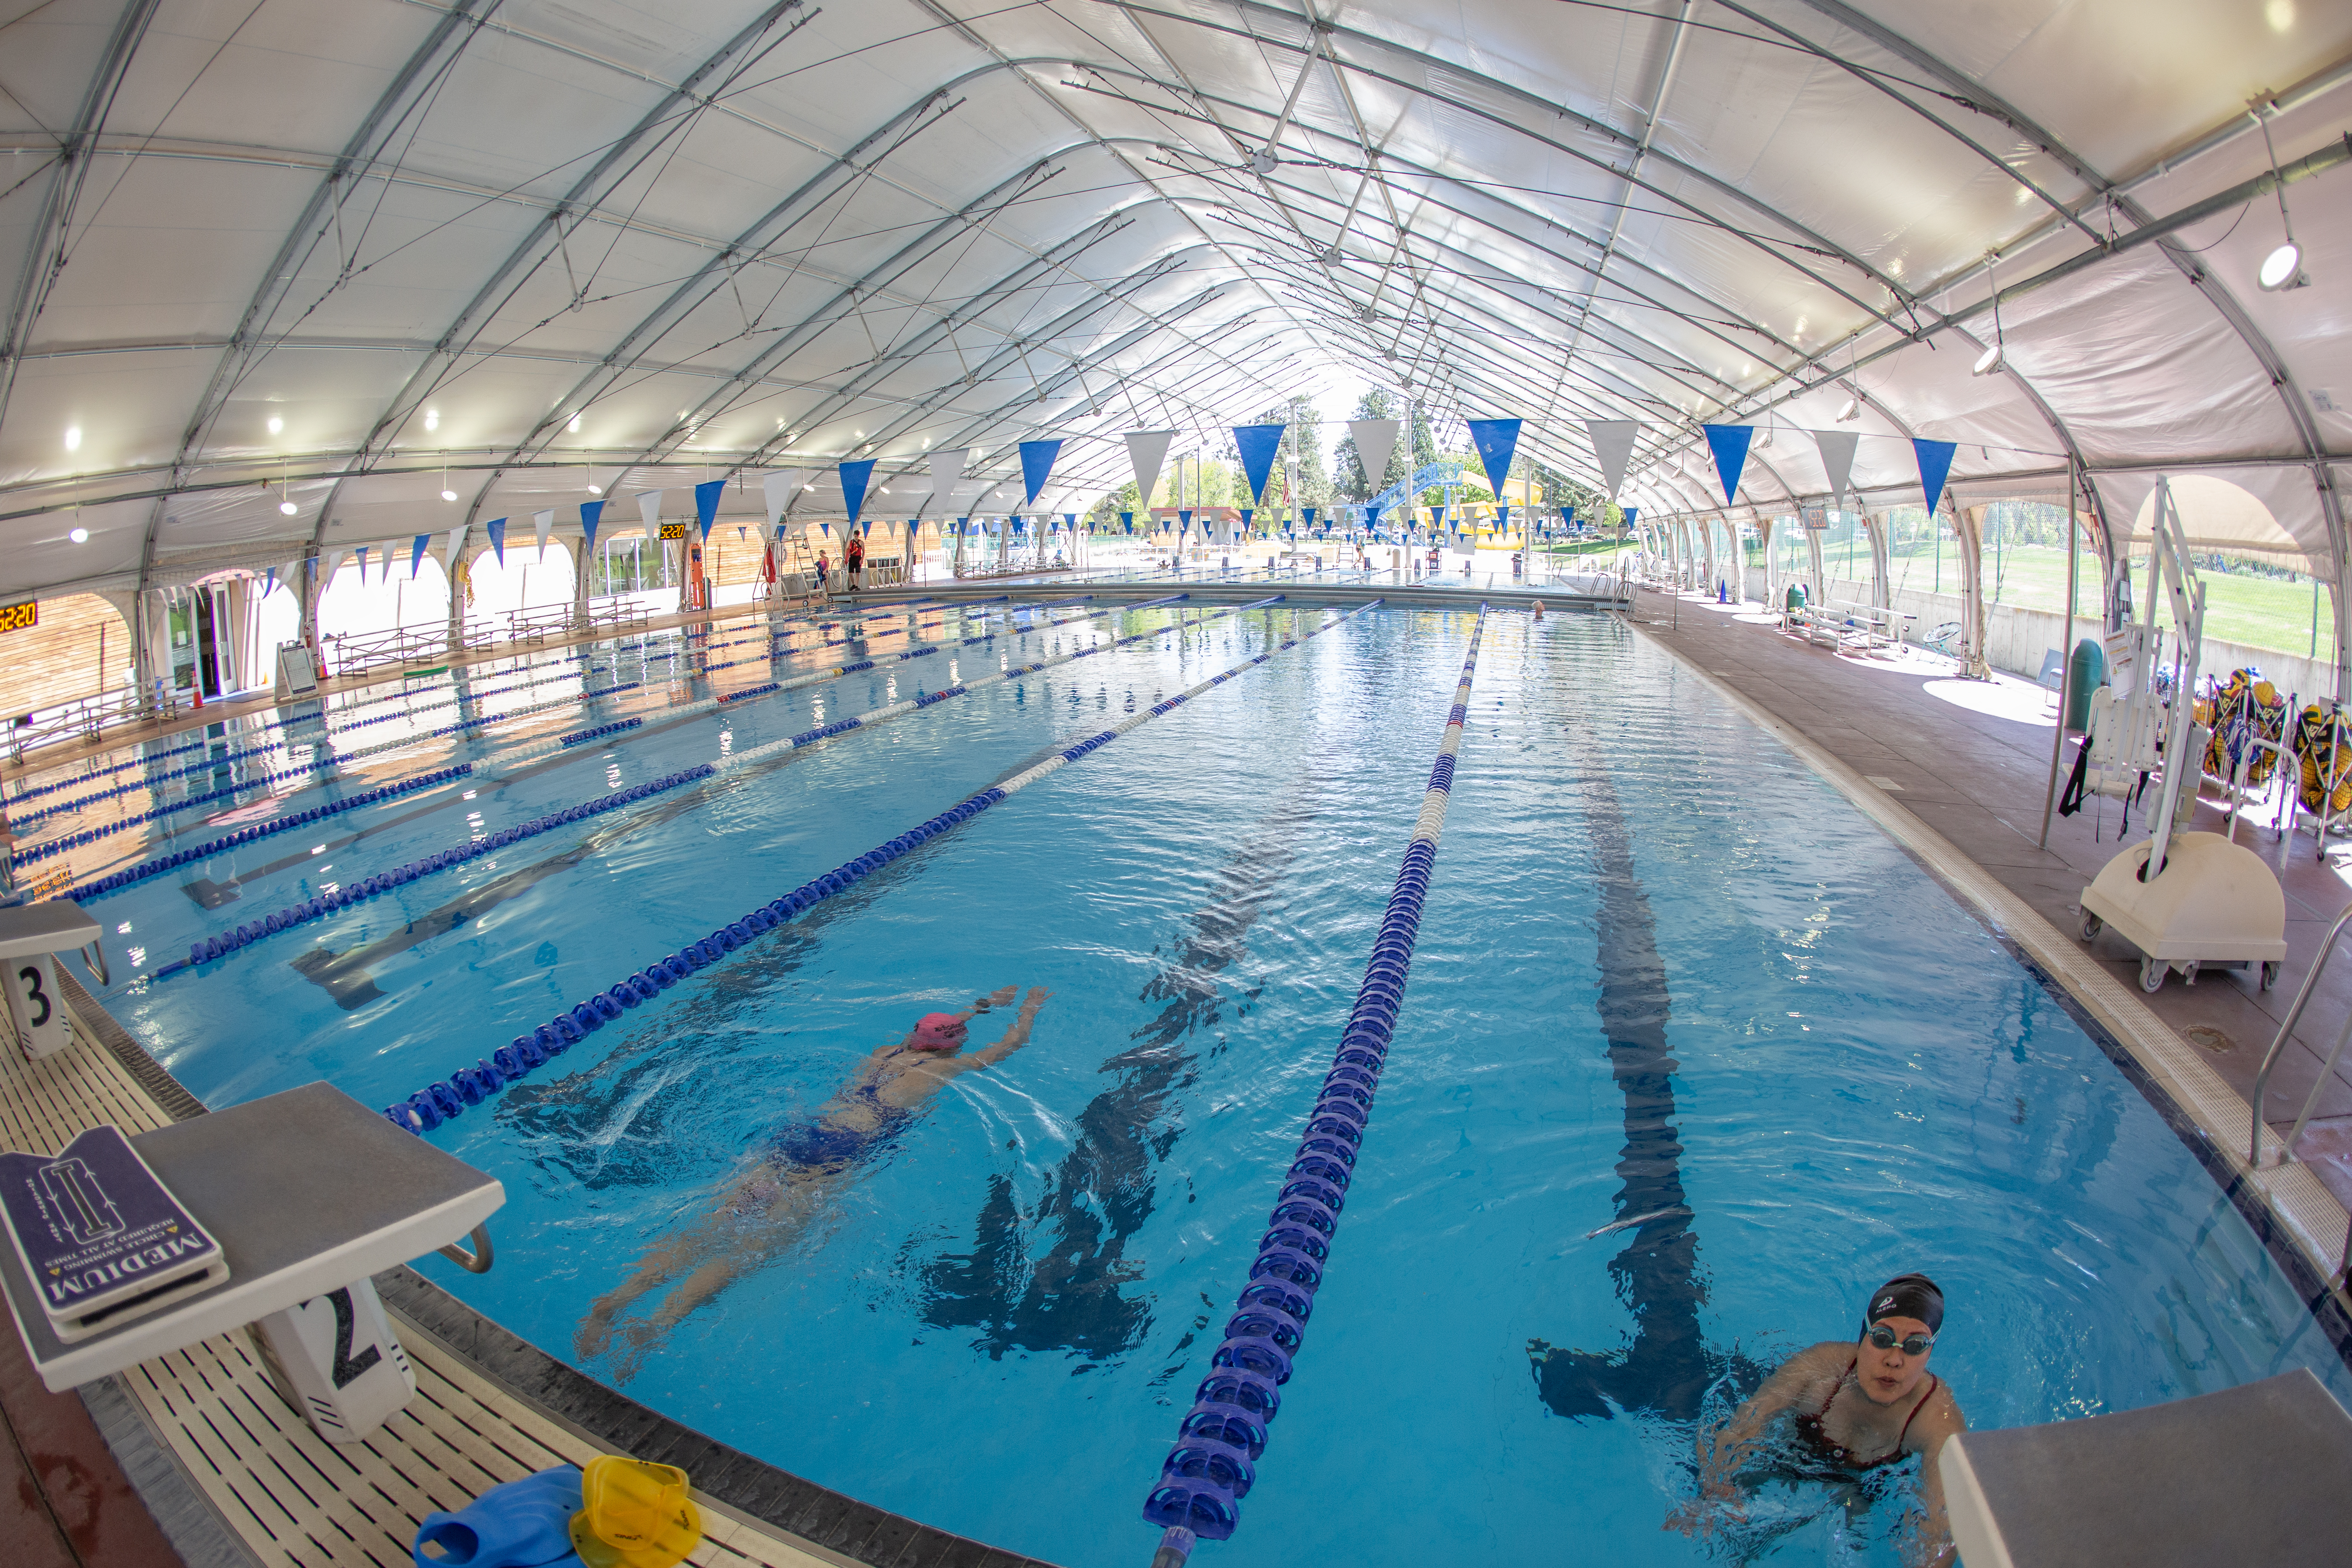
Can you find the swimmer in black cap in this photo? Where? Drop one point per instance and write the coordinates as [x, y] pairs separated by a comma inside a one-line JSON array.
[[1858, 1406]]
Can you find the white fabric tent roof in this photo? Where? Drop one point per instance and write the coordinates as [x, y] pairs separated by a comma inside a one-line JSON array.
[[428, 237]]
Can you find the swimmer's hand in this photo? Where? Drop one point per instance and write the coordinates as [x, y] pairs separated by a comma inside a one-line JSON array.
[[1038, 997], [997, 998], [1719, 1505]]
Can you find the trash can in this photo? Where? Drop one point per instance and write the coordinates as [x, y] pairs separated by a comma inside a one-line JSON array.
[[2089, 673]]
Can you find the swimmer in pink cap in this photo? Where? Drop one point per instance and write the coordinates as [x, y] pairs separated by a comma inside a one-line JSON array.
[[765, 1210]]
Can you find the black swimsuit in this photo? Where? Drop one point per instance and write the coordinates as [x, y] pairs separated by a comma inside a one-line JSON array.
[[1809, 1427]]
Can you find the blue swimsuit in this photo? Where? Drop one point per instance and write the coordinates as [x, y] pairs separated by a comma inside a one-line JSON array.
[[827, 1145]]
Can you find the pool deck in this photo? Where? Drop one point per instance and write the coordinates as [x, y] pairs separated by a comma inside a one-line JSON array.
[[1975, 779]]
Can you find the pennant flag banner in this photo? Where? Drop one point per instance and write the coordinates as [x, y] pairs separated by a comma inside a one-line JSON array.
[[330, 563], [1612, 445], [1376, 442], [1503, 515], [946, 467], [1632, 512], [868, 531], [497, 528], [1258, 443], [706, 503], [1437, 517], [541, 521], [649, 512], [362, 555], [590, 513], [416, 553], [270, 583], [1247, 513], [449, 550], [1837, 459], [1146, 450], [1184, 520], [1126, 519], [854, 478], [1567, 517], [1934, 468], [1037, 466], [779, 489], [1070, 519], [1729, 445], [1496, 439], [824, 530]]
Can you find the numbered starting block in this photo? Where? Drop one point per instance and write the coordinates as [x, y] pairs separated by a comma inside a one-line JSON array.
[[31, 937], [339, 1360]]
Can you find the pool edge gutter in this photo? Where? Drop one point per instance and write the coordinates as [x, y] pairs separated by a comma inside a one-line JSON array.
[[2283, 1203]]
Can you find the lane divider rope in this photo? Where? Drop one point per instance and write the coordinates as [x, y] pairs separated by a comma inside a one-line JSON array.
[[448, 1098], [1213, 1466]]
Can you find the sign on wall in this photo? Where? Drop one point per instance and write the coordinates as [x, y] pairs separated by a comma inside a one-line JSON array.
[[673, 530]]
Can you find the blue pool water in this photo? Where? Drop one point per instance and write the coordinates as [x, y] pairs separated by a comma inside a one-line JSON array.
[[996, 1324]]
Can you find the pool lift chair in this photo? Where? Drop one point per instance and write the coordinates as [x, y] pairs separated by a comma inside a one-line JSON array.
[[2208, 901]]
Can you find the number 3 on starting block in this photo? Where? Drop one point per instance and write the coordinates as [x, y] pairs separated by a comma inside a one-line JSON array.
[[30, 981], [338, 1354]]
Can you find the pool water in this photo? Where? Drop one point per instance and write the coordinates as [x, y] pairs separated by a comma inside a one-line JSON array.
[[1659, 957]]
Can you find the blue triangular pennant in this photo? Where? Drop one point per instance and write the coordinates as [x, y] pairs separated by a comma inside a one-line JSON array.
[[854, 478], [1258, 445], [416, 554], [1934, 468], [1567, 517], [1184, 520], [1496, 439], [496, 529], [1126, 519], [706, 503], [591, 512], [1729, 443], [1630, 513], [1037, 466]]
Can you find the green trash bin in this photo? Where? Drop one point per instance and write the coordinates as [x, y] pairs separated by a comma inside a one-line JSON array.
[[1796, 596], [2087, 672]]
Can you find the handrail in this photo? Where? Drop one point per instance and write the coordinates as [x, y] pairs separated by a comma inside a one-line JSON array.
[[2278, 1046]]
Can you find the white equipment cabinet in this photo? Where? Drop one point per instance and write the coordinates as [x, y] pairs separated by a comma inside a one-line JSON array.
[[2206, 900]]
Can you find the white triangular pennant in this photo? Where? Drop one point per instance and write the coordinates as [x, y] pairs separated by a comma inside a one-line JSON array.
[[947, 468], [780, 488], [329, 562], [1612, 445], [649, 511], [1146, 450], [449, 551], [1837, 459], [1376, 442], [542, 521]]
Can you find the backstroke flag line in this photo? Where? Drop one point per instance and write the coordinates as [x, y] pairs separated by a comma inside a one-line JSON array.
[[1612, 445], [1837, 459], [1496, 439], [1258, 443], [1037, 466], [1729, 445], [1146, 450], [706, 503], [947, 468], [649, 512], [1376, 442], [854, 478], [1934, 468]]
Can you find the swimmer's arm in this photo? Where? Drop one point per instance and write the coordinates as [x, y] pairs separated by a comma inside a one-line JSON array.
[[1932, 1546], [1720, 1458], [1015, 1038]]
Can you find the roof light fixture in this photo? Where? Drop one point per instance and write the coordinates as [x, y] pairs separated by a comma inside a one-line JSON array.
[[447, 493], [2282, 269], [285, 490], [432, 419], [73, 437], [1852, 411], [594, 488], [78, 535], [572, 425], [276, 425]]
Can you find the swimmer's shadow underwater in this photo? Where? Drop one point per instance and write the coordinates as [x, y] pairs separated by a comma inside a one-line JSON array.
[[1668, 1368]]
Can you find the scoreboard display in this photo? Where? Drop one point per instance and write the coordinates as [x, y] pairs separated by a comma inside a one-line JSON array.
[[19, 618]]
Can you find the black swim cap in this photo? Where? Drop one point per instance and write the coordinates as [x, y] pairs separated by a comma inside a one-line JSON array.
[[1907, 1296]]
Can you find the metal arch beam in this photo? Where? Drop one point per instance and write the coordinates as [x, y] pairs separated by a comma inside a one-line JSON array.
[[2224, 303], [479, 311], [46, 251], [689, 294]]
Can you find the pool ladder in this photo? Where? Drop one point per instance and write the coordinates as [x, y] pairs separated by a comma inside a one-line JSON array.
[[2278, 1048]]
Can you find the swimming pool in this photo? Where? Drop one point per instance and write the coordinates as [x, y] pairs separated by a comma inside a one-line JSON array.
[[994, 1325]]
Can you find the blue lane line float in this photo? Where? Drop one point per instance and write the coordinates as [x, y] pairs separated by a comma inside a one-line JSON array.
[[368, 888], [1220, 1440], [327, 764], [117, 881], [448, 1098]]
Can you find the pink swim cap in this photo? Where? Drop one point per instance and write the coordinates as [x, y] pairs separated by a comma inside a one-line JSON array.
[[938, 1032]]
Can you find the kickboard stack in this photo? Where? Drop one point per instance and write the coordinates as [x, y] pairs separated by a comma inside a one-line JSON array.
[[101, 1238]]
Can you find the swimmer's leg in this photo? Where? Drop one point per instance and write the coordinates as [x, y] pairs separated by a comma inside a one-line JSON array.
[[714, 1234], [712, 1257]]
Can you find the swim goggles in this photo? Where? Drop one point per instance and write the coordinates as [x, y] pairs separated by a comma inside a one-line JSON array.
[[1883, 1338]]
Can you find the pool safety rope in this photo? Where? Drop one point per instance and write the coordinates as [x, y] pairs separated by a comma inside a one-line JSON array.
[[321, 766], [117, 881], [313, 908], [1211, 1468], [447, 1098], [508, 761], [324, 764], [367, 887]]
